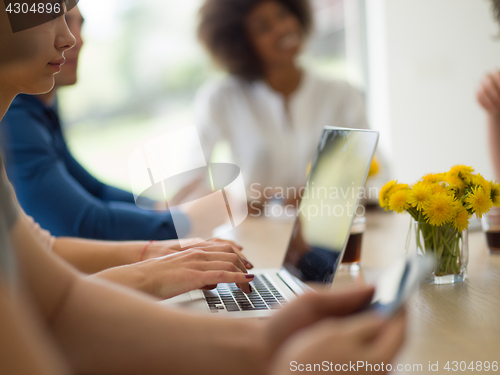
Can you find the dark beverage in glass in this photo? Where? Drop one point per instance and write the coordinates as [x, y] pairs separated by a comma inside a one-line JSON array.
[[491, 226], [352, 254], [493, 239]]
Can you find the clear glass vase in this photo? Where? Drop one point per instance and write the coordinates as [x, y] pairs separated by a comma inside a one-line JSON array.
[[449, 246]]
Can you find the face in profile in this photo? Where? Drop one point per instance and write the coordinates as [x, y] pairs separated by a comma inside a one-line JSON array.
[[30, 58], [275, 33], [68, 74]]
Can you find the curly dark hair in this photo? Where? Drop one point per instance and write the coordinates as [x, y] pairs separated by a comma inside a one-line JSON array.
[[495, 5], [221, 30]]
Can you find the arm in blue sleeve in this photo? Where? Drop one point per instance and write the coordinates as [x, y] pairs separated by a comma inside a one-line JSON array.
[[95, 187], [48, 192]]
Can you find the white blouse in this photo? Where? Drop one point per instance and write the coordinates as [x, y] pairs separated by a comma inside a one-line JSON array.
[[271, 144]]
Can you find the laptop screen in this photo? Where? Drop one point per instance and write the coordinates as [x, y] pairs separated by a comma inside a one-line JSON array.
[[329, 203]]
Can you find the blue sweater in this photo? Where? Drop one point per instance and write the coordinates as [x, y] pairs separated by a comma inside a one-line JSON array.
[[58, 192]]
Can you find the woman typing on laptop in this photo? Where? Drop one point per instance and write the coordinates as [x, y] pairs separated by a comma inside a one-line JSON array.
[[159, 268], [54, 321]]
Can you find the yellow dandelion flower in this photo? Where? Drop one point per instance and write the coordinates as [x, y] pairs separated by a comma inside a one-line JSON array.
[[374, 168], [455, 182], [400, 187], [440, 209], [308, 168], [467, 178], [461, 170], [478, 201], [495, 193], [419, 194], [387, 190], [480, 181], [399, 200], [439, 188], [433, 177], [384, 195], [461, 221]]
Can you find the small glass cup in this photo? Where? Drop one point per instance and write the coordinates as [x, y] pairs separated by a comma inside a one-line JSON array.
[[491, 226], [351, 259]]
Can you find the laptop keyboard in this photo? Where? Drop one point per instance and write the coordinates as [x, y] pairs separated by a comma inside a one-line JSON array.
[[228, 297]]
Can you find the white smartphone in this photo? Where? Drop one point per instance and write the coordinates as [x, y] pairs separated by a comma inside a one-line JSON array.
[[399, 282]]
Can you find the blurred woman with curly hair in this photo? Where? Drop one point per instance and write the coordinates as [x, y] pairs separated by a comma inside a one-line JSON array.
[[269, 108]]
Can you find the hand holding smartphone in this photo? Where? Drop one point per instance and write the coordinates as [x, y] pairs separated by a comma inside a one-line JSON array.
[[399, 282]]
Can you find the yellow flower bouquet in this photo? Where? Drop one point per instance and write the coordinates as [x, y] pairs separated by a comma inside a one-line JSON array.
[[441, 206]]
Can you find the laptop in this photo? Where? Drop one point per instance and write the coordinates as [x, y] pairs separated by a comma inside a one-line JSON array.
[[319, 237]]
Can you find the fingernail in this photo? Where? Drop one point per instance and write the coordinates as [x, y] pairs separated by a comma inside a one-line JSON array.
[[250, 288], [248, 276]]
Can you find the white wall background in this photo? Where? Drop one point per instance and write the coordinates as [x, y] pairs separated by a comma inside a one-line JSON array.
[[426, 59]]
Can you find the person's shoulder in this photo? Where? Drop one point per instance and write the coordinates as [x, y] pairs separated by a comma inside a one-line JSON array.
[[26, 123], [22, 109], [28, 103]]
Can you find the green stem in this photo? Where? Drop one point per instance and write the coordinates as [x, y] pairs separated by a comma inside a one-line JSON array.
[[445, 242]]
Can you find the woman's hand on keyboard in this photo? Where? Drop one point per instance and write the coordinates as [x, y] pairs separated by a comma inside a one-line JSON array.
[[161, 248], [181, 272]]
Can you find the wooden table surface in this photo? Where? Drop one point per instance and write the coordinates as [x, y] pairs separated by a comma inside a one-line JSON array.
[[458, 322]]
